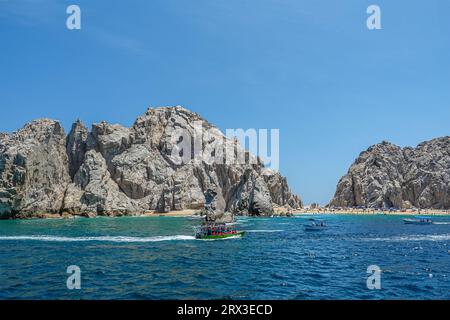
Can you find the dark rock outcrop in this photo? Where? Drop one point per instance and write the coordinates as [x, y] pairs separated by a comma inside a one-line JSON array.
[[386, 175], [114, 170], [76, 146]]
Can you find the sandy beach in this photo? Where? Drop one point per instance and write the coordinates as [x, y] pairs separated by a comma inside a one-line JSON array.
[[282, 211], [278, 211], [189, 213], [429, 212], [179, 213]]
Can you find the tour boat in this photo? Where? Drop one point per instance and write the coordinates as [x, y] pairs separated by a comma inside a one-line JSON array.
[[211, 231]]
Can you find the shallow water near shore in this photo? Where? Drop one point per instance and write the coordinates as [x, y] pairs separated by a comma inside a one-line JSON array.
[[158, 258]]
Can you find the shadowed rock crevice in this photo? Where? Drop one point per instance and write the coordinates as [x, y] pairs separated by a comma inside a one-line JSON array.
[[76, 146]]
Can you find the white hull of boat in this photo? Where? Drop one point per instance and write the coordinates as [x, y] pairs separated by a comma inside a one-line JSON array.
[[412, 221]]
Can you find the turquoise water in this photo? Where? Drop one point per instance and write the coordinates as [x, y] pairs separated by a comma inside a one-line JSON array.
[[158, 258]]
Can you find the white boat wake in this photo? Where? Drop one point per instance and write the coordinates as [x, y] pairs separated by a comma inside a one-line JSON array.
[[263, 231], [418, 237], [47, 238]]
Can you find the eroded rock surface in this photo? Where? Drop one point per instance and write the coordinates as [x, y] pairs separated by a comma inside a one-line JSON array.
[[386, 175], [114, 170], [76, 146], [34, 170]]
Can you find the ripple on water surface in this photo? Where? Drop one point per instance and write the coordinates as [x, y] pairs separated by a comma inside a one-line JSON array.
[[159, 258]]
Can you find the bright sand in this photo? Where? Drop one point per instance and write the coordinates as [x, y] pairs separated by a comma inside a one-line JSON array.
[[373, 212]]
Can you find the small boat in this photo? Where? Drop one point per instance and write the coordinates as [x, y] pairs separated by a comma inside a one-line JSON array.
[[418, 220], [313, 227], [212, 231], [316, 225]]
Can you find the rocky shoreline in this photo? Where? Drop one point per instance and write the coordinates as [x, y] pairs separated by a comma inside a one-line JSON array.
[[193, 213], [350, 211], [112, 170]]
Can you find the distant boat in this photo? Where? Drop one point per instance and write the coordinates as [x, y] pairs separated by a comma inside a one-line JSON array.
[[418, 220], [316, 225]]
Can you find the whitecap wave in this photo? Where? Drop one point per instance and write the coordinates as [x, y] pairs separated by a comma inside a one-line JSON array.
[[415, 237], [47, 238]]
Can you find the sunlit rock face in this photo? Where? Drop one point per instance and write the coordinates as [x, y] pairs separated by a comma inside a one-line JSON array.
[[386, 175], [113, 170], [34, 170]]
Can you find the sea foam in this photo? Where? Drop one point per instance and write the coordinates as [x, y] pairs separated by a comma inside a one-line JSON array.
[[414, 237], [48, 238]]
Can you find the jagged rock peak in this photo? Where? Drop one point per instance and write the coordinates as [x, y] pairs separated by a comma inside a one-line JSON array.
[[173, 110], [39, 129]]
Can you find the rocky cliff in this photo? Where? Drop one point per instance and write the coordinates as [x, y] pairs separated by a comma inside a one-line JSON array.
[[386, 175], [114, 170]]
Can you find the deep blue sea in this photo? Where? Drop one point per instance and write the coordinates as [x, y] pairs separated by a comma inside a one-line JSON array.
[[158, 258]]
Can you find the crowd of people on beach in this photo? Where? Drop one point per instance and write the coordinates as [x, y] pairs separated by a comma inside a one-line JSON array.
[[365, 210]]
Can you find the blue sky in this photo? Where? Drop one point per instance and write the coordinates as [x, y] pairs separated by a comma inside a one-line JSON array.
[[310, 68]]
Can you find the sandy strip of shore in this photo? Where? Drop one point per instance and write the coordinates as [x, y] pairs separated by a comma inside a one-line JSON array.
[[278, 211], [179, 213], [430, 212]]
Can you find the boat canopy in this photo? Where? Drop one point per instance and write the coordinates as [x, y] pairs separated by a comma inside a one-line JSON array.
[[422, 217]]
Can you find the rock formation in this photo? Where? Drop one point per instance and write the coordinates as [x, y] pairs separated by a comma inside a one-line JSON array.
[[386, 175], [114, 170], [76, 146], [215, 208], [33, 170]]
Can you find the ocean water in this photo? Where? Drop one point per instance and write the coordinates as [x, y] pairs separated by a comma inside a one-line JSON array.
[[158, 258]]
